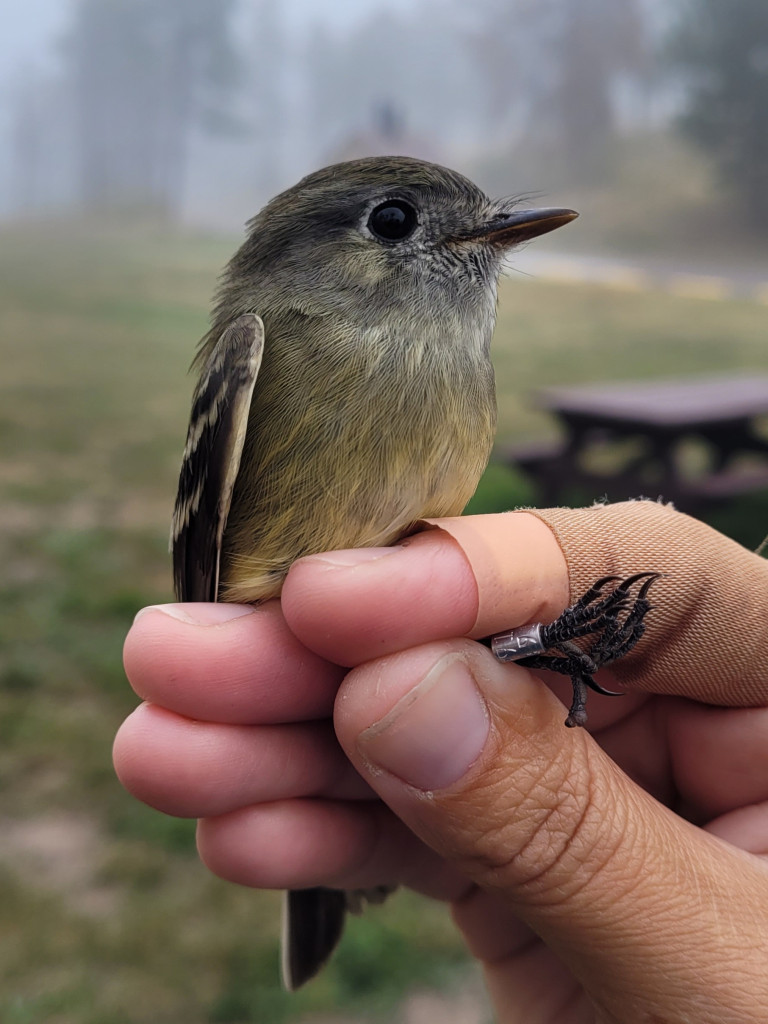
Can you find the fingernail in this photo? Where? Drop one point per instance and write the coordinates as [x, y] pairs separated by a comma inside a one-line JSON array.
[[353, 556], [434, 733], [202, 614]]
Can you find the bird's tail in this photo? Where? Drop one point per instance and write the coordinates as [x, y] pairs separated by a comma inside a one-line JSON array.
[[313, 920]]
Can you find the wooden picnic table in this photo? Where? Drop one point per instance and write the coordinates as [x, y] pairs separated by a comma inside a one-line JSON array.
[[645, 428]]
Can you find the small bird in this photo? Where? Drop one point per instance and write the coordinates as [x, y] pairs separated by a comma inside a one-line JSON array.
[[345, 391]]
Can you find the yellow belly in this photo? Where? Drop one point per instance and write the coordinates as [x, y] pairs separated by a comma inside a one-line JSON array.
[[349, 460]]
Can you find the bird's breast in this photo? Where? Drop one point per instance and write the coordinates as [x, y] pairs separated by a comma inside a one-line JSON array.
[[348, 444]]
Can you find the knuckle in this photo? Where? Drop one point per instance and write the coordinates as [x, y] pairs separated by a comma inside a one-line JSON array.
[[547, 839]]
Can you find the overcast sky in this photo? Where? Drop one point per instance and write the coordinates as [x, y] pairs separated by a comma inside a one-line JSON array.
[[30, 26]]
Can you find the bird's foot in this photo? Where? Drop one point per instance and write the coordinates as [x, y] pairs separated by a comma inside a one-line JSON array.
[[611, 613]]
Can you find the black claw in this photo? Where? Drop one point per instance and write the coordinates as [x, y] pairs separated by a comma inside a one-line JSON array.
[[652, 577], [628, 583], [595, 590], [595, 614], [602, 690]]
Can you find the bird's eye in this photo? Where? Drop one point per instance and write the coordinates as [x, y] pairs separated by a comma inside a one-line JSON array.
[[393, 221]]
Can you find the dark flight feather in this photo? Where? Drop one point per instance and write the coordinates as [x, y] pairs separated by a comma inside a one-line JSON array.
[[215, 439], [314, 918]]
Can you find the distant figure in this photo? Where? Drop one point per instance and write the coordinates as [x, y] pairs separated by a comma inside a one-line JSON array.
[[389, 119]]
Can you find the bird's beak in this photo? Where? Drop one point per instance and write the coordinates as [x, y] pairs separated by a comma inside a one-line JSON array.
[[510, 228]]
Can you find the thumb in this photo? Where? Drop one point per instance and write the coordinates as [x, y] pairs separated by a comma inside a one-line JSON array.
[[706, 636], [473, 757]]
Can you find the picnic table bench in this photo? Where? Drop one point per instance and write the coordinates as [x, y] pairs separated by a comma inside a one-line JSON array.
[[642, 433]]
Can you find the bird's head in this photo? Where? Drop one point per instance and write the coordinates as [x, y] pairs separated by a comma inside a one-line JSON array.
[[382, 233]]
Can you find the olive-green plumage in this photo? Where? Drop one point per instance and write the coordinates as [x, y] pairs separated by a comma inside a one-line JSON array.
[[374, 405], [346, 391], [338, 457]]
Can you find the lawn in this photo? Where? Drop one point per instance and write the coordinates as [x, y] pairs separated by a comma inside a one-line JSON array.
[[106, 917]]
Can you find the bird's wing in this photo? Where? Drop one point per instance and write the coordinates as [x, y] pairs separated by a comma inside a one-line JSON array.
[[215, 439]]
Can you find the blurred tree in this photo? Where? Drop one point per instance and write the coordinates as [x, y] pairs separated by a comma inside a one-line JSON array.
[[27, 140], [144, 72], [37, 153], [267, 90], [552, 67], [721, 47], [599, 41], [410, 60]]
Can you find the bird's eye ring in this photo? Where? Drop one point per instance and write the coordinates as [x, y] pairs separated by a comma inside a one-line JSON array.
[[393, 220]]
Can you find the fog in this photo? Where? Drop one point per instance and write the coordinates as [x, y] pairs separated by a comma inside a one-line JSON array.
[[88, 102], [274, 136], [198, 111], [136, 138]]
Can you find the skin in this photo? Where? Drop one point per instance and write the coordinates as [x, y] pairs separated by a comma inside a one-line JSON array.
[[611, 875], [373, 406]]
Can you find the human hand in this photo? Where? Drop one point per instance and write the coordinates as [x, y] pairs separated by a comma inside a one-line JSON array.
[[583, 894]]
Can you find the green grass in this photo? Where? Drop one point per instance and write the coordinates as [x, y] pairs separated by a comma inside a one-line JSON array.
[[106, 917]]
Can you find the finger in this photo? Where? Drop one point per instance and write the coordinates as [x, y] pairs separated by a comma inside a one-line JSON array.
[[198, 769], [299, 844], [352, 606], [227, 663], [525, 980], [472, 756], [719, 757], [490, 929], [704, 634], [746, 828]]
